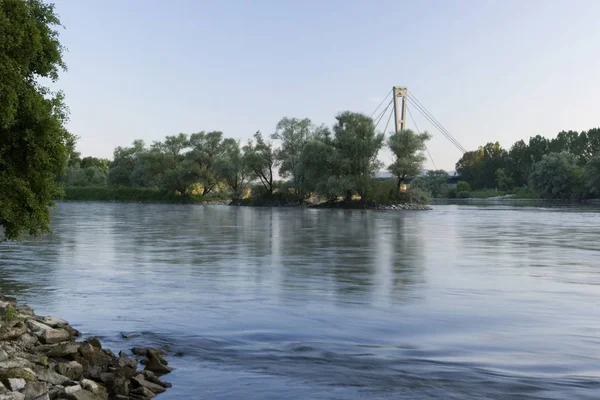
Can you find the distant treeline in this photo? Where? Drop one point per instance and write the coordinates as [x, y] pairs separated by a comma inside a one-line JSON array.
[[311, 160], [566, 167]]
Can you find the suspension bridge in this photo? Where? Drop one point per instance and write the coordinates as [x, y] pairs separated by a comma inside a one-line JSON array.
[[399, 103]]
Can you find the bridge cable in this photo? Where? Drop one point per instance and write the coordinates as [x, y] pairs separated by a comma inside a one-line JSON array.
[[380, 104], [438, 124], [419, 107], [417, 128], [388, 121], [380, 116]]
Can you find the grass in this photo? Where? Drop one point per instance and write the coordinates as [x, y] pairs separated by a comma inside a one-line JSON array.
[[487, 193], [134, 195]]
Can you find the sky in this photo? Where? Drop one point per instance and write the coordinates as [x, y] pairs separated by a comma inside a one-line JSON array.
[[487, 70]]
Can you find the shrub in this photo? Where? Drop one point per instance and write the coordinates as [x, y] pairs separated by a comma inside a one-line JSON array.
[[463, 195], [462, 186]]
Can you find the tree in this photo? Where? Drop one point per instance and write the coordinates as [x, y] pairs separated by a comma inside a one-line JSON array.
[[233, 169], [519, 163], [294, 134], [124, 162], [408, 148], [34, 143], [592, 175], [469, 167], [504, 181], [556, 176], [434, 182], [261, 161], [357, 144], [206, 150]]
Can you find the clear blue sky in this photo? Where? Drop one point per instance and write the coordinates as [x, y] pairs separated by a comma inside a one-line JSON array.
[[488, 70]]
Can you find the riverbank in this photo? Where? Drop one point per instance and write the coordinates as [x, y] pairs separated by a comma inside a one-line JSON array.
[[41, 359], [112, 194]]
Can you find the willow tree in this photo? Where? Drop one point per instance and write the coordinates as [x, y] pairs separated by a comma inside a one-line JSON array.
[[407, 148], [33, 138]]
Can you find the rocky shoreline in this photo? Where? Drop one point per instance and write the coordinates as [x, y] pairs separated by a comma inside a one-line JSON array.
[[373, 206], [41, 359]]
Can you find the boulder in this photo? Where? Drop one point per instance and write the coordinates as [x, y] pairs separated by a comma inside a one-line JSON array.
[[56, 392], [46, 334], [139, 380], [35, 390], [85, 395], [16, 363], [95, 342], [12, 396], [16, 384], [64, 349], [54, 322], [144, 392], [47, 375], [115, 384], [94, 355], [38, 359], [73, 389], [23, 373], [94, 388], [72, 370], [12, 330], [155, 365]]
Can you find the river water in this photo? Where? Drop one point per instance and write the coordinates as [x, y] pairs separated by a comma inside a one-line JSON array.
[[462, 302]]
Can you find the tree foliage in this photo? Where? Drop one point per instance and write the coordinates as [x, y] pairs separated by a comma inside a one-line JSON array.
[[408, 150], [556, 176], [34, 143], [433, 182]]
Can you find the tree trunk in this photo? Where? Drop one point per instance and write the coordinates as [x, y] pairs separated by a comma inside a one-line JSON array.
[[348, 195]]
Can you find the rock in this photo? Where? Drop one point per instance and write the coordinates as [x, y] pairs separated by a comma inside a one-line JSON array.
[[94, 388], [56, 392], [64, 349], [149, 376], [115, 384], [3, 355], [72, 331], [144, 392], [156, 366], [85, 395], [95, 342], [73, 389], [12, 396], [72, 370], [140, 381], [24, 311], [12, 330], [23, 373], [94, 355], [47, 375], [35, 390], [16, 363], [46, 334], [39, 359], [45, 396], [54, 322], [131, 335], [16, 384]]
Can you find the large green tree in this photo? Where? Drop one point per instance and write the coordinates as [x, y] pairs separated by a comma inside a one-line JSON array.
[[408, 149], [34, 143], [260, 158], [556, 176]]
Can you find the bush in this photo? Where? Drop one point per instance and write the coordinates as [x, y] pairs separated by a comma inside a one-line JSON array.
[[131, 194], [452, 194], [462, 186], [463, 194]]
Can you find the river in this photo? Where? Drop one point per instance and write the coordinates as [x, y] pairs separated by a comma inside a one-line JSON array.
[[462, 302]]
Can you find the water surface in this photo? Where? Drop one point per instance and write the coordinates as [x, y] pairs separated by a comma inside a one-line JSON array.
[[462, 302]]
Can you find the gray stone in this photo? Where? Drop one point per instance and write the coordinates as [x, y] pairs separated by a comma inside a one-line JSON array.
[[46, 334], [56, 392], [35, 390], [12, 330], [12, 396], [54, 321], [72, 370], [86, 395], [16, 363], [73, 389], [156, 366], [16, 384], [144, 392], [45, 396], [95, 388], [23, 373], [3, 355], [47, 375], [131, 335], [140, 381], [95, 342], [64, 349], [39, 359], [94, 355]]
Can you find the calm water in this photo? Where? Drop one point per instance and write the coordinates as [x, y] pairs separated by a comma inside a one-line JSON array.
[[462, 302]]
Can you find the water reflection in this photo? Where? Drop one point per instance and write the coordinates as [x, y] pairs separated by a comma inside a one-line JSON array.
[[460, 302]]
